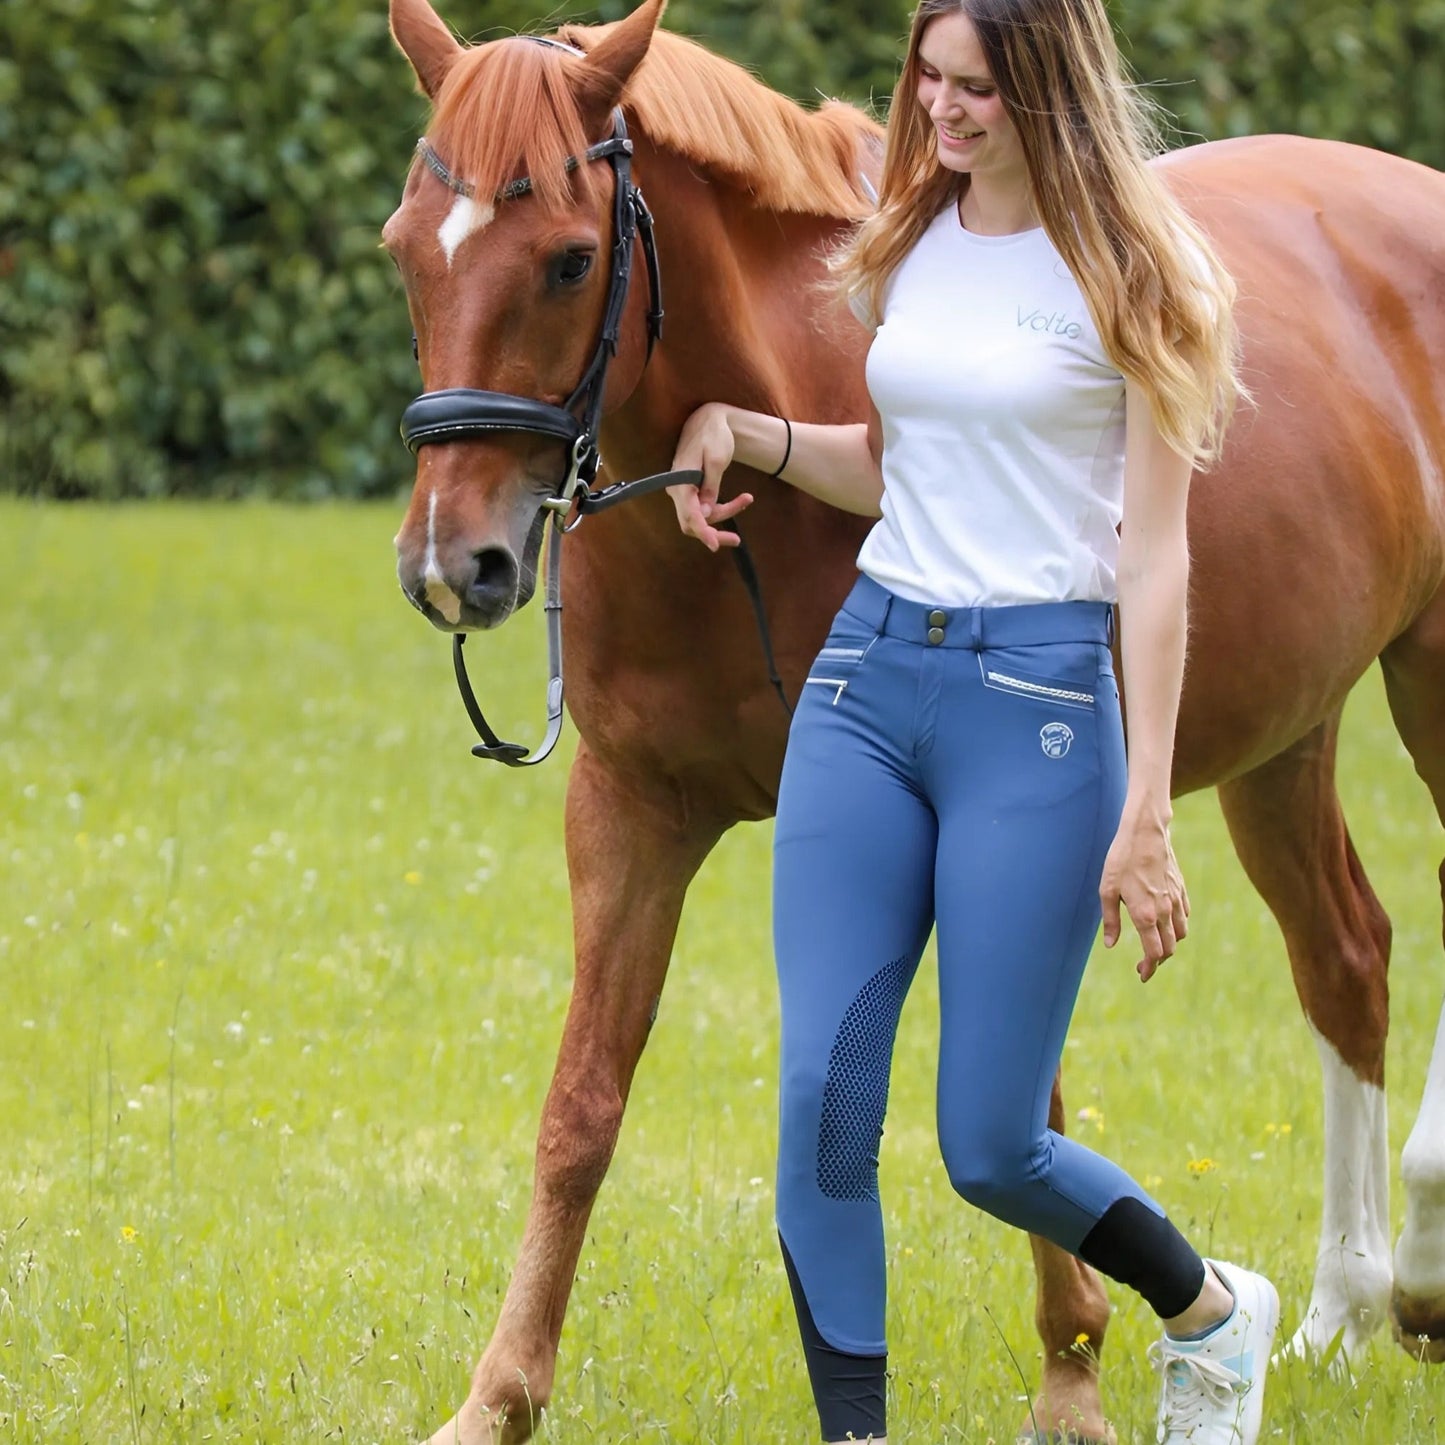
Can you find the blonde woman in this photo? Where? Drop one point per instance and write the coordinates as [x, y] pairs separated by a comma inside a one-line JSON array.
[[1053, 354]]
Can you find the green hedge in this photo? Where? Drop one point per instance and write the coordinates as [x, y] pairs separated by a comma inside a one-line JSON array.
[[1364, 72], [191, 295]]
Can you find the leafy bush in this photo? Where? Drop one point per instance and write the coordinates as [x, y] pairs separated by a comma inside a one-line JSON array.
[[1335, 68]]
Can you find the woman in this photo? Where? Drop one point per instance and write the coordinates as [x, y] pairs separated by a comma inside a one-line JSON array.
[[1053, 354]]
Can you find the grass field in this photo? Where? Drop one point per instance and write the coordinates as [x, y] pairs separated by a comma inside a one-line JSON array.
[[284, 970]]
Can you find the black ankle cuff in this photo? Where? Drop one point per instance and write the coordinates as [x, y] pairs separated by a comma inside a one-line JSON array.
[[850, 1391], [1143, 1250]]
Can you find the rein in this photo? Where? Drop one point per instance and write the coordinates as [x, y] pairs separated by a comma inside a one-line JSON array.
[[458, 413]]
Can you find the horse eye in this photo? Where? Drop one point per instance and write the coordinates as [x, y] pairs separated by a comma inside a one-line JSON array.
[[571, 266]]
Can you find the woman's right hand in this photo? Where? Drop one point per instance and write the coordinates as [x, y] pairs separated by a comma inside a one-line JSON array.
[[706, 445]]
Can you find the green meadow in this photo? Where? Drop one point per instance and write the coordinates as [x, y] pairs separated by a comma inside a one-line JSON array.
[[283, 974]]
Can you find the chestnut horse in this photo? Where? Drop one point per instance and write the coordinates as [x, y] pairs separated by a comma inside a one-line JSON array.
[[1318, 546]]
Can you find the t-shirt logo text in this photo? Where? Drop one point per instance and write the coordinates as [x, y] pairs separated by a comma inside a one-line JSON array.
[[1054, 321]]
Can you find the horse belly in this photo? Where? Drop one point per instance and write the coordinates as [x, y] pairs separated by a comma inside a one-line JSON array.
[[1321, 532]]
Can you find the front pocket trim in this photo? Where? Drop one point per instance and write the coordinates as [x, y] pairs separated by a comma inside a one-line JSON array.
[[1006, 682]]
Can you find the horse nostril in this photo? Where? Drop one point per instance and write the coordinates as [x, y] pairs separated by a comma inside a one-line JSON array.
[[494, 585]]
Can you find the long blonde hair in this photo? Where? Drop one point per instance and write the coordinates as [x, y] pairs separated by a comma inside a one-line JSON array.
[[1158, 294]]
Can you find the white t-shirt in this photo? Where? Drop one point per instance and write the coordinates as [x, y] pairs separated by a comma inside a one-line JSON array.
[[1003, 427]]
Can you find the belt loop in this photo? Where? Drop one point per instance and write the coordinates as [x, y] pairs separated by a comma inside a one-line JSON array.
[[975, 628], [1109, 625], [883, 616]]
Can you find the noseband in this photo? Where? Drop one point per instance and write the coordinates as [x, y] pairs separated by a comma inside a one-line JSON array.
[[459, 413]]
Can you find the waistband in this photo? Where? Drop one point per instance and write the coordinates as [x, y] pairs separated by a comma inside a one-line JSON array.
[[1023, 625]]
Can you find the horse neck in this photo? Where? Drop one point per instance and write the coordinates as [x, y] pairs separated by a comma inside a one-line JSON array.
[[743, 305]]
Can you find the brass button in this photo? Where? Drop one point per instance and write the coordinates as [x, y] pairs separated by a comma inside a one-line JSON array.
[[935, 635], [937, 618]]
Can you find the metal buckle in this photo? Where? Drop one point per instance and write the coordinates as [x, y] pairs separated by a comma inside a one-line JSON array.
[[561, 504]]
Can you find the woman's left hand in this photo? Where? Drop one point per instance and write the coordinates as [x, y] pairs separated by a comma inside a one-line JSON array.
[[1142, 874]]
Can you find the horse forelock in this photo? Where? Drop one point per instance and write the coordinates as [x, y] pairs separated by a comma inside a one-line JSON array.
[[508, 109]]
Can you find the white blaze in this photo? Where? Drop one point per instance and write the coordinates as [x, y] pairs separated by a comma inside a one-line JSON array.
[[438, 593], [464, 217]]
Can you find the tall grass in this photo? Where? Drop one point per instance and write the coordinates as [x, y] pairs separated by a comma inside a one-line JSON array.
[[284, 973]]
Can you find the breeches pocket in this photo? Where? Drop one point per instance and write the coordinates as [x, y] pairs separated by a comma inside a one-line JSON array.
[[1054, 675], [838, 662]]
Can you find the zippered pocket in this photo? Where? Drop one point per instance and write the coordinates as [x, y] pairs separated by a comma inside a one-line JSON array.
[[836, 664], [838, 684]]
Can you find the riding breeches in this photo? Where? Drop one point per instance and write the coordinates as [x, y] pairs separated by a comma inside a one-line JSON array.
[[961, 769]]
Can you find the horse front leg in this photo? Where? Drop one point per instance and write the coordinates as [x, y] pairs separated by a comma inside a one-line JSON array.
[[631, 853], [1071, 1313]]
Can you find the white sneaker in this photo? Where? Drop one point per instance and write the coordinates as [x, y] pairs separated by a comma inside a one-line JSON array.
[[1213, 1392]]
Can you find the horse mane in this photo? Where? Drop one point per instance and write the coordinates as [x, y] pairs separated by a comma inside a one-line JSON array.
[[507, 109]]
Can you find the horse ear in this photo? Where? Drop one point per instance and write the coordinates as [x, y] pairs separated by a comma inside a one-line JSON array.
[[426, 41], [612, 60]]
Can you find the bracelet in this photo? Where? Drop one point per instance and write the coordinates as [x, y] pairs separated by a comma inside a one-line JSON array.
[[787, 450]]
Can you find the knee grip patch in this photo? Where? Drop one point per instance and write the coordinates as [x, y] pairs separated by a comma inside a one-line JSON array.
[[855, 1094]]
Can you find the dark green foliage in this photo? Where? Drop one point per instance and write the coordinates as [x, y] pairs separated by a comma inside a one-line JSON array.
[[1368, 73], [191, 295]]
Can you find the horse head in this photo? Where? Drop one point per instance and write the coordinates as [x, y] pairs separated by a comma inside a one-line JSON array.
[[504, 240]]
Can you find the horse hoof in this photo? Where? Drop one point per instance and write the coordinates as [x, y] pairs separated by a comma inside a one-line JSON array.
[[1419, 1328]]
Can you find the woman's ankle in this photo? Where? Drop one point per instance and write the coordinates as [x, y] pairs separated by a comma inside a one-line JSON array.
[[1211, 1307]]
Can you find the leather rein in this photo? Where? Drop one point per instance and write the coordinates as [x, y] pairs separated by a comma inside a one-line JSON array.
[[458, 413]]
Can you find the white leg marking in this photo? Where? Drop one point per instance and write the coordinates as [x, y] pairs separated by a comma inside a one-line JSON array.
[[1352, 1273], [465, 217], [438, 593], [1420, 1254]]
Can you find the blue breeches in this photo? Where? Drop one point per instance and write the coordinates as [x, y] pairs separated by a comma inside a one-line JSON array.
[[957, 769]]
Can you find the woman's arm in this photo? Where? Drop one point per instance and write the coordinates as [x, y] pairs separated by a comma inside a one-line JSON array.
[[839, 465], [1153, 585]]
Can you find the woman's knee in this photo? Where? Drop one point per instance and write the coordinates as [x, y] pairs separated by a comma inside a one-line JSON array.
[[991, 1174]]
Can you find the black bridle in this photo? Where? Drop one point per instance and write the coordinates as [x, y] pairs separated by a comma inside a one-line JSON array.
[[459, 413]]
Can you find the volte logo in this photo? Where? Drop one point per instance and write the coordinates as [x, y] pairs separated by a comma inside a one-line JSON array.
[[1053, 321]]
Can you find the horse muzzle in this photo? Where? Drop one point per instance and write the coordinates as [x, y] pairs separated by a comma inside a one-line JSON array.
[[480, 593]]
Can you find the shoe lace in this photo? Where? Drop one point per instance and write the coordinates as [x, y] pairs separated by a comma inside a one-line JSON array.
[[1194, 1384]]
